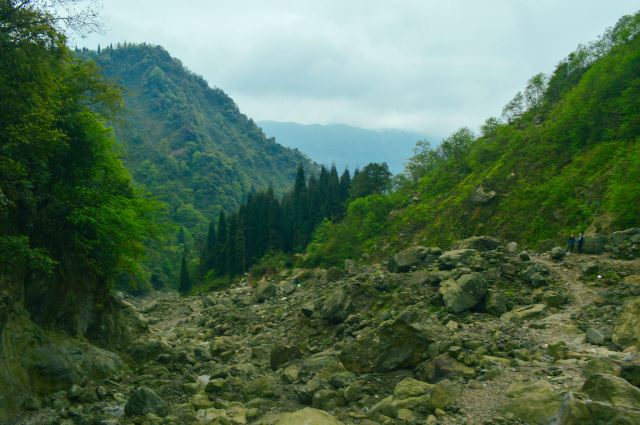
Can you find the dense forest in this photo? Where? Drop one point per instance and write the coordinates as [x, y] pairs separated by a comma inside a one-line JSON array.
[[71, 220], [265, 225], [188, 145], [564, 157]]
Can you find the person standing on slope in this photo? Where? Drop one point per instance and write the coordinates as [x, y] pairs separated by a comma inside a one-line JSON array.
[[580, 242], [571, 242]]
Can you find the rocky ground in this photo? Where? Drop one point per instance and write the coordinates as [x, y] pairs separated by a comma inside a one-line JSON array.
[[480, 334]]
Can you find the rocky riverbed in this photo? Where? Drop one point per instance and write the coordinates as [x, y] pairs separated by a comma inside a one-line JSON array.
[[479, 334]]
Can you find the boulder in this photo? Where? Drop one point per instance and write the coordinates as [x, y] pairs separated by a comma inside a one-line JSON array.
[[336, 306], [443, 367], [264, 387], [265, 290], [627, 329], [480, 196], [595, 337], [618, 238], [308, 416], [394, 344], [451, 259], [282, 354], [532, 402], [524, 313], [414, 256], [574, 411], [463, 294], [557, 253], [496, 303], [325, 399], [536, 275], [445, 394], [479, 243], [631, 372], [600, 365], [594, 244], [143, 401], [612, 389]]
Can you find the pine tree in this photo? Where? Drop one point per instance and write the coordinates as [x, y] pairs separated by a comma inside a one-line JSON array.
[[300, 210], [207, 261], [185, 281], [221, 246]]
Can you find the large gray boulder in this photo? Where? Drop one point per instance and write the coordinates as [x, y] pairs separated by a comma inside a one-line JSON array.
[[532, 402], [574, 411], [143, 401], [451, 259], [414, 256], [612, 389], [282, 354], [394, 344], [627, 330], [594, 244], [618, 238], [536, 275], [308, 416], [479, 243], [336, 306], [463, 294], [265, 290]]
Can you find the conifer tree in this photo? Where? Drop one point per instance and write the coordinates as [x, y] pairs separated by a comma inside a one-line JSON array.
[[207, 261], [221, 246], [185, 280]]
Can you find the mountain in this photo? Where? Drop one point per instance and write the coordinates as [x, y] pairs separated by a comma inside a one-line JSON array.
[[346, 146], [565, 159], [186, 142]]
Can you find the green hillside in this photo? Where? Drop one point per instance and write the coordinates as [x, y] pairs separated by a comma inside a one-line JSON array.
[[565, 157], [186, 142]]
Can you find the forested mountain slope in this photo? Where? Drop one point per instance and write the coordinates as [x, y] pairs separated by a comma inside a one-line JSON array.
[[564, 158], [186, 142]]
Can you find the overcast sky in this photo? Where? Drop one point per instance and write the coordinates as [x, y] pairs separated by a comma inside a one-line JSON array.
[[425, 65]]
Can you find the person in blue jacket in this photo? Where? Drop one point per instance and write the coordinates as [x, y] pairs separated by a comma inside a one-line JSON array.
[[571, 242], [580, 243]]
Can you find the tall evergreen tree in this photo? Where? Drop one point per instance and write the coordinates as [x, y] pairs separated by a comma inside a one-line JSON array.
[[300, 210], [185, 280], [207, 261], [221, 245]]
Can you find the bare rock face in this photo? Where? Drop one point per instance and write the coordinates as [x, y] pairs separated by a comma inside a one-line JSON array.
[[480, 196], [627, 330]]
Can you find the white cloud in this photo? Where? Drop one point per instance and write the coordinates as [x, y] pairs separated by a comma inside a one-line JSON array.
[[423, 65]]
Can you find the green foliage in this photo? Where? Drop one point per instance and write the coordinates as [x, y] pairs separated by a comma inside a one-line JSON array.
[[66, 201], [567, 160], [374, 178], [265, 226], [188, 144]]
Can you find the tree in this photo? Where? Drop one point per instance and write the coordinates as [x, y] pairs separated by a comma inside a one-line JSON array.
[[490, 127], [374, 178], [185, 281], [514, 109], [221, 245], [535, 90], [208, 257]]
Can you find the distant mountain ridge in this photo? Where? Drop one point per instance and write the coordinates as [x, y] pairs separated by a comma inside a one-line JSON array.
[[345, 145]]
